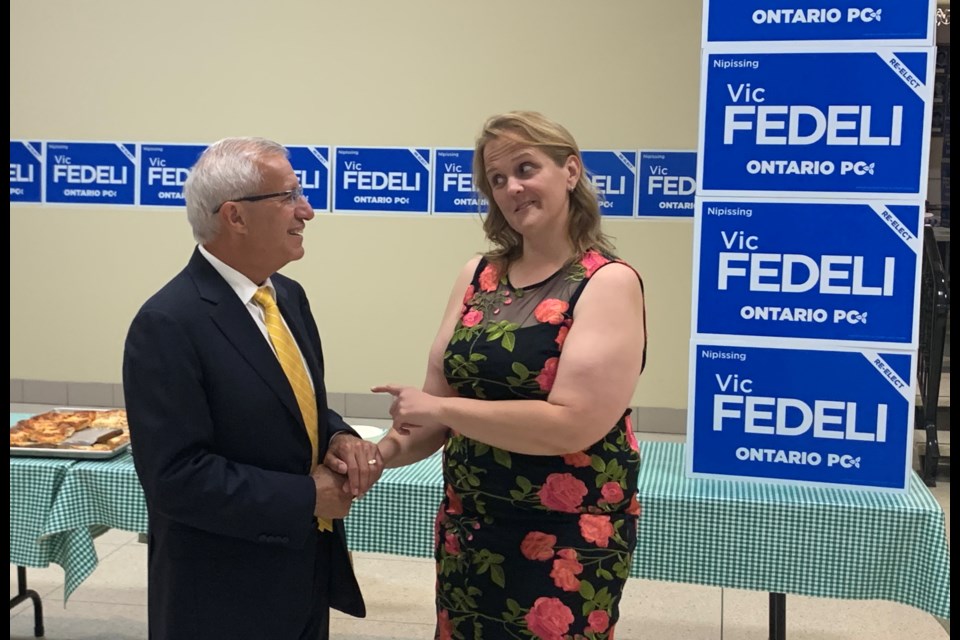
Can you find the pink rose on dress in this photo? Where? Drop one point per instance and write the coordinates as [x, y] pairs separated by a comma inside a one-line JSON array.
[[551, 310], [489, 278], [451, 544], [453, 501], [436, 526], [631, 438], [634, 507], [612, 492], [579, 459], [549, 619], [598, 621], [443, 625], [562, 336], [537, 545], [592, 261], [548, 374], [562, 492], [565, 570], [469, 294], [472, 318], [596, 529]]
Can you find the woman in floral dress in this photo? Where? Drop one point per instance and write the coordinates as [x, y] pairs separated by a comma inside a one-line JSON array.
[[527, 389]]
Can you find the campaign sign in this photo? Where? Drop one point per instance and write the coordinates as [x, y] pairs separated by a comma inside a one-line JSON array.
[[815, 122], [897, 22], [26, 171], [91, 172], [668, 181], [392, 179], [614, 175], [833, 417], [312, 166], [843, 271], [453, 190], [163, 170]]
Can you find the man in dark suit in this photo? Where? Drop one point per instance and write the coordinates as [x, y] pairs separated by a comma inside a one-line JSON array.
[[229, 448]]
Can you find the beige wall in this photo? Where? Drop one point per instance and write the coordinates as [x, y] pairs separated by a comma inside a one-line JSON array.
[[620, 73]]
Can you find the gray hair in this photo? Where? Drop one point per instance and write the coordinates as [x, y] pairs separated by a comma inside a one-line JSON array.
[[227, 169]]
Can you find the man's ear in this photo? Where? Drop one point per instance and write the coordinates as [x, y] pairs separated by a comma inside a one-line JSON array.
[[232, 217]]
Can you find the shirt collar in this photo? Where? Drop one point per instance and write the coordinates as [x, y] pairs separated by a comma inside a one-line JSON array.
[[243, 286]]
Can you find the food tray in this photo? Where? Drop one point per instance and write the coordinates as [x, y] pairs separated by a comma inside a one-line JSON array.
[[76, 454]]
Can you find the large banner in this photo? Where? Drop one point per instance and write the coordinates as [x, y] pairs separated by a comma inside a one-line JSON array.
[[819, 123], [843, 271], [793, 415], [878, 22]]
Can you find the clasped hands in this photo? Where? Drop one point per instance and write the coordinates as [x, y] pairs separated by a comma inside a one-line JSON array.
[[350, 467]]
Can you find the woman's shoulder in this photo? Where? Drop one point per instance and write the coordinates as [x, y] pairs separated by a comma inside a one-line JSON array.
[[595, 261]]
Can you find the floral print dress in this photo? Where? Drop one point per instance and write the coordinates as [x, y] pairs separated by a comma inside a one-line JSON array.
[[530, 546]]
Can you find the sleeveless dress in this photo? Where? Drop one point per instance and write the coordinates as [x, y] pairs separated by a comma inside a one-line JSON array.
[[529, 546]]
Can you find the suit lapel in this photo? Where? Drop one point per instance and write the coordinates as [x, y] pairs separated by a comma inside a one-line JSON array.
[[233, 319]]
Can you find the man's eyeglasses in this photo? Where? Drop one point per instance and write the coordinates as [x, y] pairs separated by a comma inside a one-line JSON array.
[[291, 196]]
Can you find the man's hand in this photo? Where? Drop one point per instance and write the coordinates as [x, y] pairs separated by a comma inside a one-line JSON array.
[[360, 461], [332, 501]]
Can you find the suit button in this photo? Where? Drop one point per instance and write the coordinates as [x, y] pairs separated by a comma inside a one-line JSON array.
[[284, 539], [262, 538]]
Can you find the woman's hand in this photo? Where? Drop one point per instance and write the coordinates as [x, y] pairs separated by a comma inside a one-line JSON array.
[[411, 408]]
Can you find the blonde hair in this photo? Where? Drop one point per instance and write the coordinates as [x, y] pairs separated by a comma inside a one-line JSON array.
[[536, 130]]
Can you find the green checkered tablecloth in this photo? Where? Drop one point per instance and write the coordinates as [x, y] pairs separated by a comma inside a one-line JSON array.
[[94, 494], [827, 542], [34, 484], [823, 542]]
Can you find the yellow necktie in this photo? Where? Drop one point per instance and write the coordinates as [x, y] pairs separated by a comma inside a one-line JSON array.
[[290, 361]]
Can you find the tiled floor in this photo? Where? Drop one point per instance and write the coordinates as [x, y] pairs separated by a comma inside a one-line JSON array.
[[111, 603]]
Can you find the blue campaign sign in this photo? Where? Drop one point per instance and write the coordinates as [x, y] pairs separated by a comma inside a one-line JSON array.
[[834, 417], [668, 181], [898, 22], [453, 190], [91, 172], [26, 171], [843, 271], [389, 179], [815, 122], [312, 166], [163, 170], [614, 175]]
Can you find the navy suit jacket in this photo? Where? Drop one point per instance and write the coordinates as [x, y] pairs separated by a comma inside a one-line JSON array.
[[222, 454]]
